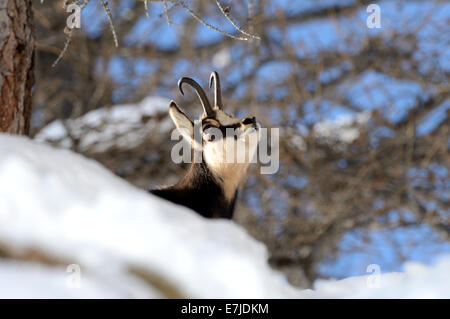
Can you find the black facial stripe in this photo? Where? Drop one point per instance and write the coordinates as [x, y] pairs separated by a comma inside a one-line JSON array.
[[206, 123]]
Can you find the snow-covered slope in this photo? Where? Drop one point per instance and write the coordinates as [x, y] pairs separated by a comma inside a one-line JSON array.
[[124, 126], [417, 281], [70, 209], [70, 228]]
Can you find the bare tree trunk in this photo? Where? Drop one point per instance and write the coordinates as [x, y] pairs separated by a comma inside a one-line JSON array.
[[16, 65]]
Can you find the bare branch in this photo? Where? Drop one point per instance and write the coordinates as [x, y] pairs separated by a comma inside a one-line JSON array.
[[192, 13], [227, 15], [166, 12], [66, 47], [111, 25]]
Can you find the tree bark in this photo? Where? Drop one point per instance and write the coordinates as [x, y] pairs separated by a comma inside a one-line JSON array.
[[16, 65]]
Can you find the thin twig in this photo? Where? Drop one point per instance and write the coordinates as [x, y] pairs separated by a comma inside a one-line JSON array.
[[69, 35], [64, 50], [111, 25], [234, 24], [166, 12], [192, 13]]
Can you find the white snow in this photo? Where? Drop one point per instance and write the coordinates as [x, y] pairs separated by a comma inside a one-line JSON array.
[[128, 243], [338, 132], [27, 280], [222, 58], [63, 205], [417, 281], [123, 126], [345, 129]]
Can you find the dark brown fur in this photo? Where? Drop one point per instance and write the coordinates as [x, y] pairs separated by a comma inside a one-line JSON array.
[[200, 191]]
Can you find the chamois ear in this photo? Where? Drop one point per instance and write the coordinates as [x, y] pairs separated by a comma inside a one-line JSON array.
[[182, 122]]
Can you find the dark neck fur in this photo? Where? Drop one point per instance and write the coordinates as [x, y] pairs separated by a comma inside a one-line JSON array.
[[200, 191]]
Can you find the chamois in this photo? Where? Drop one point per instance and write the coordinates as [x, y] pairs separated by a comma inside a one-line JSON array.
[[211, 184]]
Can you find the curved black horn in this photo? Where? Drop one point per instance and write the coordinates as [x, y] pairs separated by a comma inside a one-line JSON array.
[[201, 94], [217, 94]]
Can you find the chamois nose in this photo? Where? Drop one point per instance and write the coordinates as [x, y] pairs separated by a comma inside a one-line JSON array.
[[249, 120]]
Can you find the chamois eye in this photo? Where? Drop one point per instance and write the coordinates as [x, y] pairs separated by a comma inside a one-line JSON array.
[[207, 126]]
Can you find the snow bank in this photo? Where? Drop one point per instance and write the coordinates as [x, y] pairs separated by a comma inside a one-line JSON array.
[[70, 209], [31, 280], [70, 229], [417, 281], [124, 126]]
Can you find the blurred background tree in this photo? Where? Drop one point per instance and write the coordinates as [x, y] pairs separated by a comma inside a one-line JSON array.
[[363, 114]]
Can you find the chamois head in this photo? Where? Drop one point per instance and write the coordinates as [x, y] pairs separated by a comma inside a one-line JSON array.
[[227, 144]]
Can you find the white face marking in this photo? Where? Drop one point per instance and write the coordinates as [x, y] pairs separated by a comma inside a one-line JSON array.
[[228, 157]]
